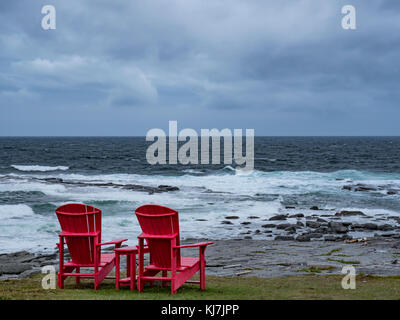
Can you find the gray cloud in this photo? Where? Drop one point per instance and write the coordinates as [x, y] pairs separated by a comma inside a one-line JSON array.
[[121, 68]]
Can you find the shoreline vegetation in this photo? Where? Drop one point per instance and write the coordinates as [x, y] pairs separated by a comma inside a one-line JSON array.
[[305, 287]]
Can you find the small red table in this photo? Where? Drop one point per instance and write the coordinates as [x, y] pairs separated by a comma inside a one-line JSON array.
[[130, 253]]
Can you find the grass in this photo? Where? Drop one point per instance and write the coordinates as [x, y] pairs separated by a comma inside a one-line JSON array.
[[294, 287], [317, 269], [331, 252]]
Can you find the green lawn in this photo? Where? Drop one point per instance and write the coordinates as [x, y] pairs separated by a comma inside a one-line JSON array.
[[295, 287]]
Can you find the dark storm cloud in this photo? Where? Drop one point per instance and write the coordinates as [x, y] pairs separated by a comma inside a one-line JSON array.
[[123, 67]]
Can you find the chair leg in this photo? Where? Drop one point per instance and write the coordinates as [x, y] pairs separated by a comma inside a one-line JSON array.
[[117, 270], [164, 274], [132, 270], [202, 279], [77, 278], [60, 281]]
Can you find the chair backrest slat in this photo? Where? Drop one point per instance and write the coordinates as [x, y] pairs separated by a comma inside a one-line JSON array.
[[159, 220], [80, 218]]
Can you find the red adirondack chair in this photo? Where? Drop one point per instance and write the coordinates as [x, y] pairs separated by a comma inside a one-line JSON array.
[[81, 231], [160, 226]]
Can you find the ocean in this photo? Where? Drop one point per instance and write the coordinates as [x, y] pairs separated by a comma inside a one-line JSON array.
[[38, 174]]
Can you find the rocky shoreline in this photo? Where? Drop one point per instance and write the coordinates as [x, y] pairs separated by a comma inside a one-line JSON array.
[[327, 225], [262, 258]]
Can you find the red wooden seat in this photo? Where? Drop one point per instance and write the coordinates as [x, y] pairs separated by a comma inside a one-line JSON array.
[[81, 232], [160, 226]]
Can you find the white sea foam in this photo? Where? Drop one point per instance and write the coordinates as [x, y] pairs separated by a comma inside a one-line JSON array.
[[15, 211], [39, 168]]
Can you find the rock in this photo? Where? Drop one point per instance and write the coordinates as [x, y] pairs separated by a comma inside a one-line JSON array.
[[347, 188], [330, 238], [12, 268], [226, 222], [283, 226], [300, 224], [290, 207], [245, 222], [257, 231], [303, 238], [391, 192], [279, 217], [167, 188], [231, 217], [345, 213], [269, 225], [314, 208], [248, 237], [385, 227], [253, 217], [365, 188], [313, 224], [337, 227], [284, 238], [368, 226], [291, 229], [322, 229], [346, 223], [321, 220], [297, 215], [315, 235], [201, 219]]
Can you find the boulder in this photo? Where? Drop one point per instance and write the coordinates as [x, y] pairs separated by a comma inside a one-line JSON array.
[[279, 217]]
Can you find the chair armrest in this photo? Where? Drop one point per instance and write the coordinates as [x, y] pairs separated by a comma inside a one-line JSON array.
[[200, 244], [151, 236], [116, 241]]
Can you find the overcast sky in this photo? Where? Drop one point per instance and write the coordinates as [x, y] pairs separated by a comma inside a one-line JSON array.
[[123, 67]]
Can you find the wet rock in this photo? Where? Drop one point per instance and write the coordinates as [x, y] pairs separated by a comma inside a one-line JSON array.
[[269, 225], [201, 219], [315, 235], [283, 226], [290, 207], [314, 208], [321, 220], [346, 213], [297, 215], [347, 188], [226, 222], [313, 224], [257, 231], [391, 192], [253, 217], [322, 229], [337, 227], [245, 223], [291, 229], [367, 226], [231, 217], [385, 227], [167, 188], [279, 217], [284, 238], [300, 224], [365, 188], [330, 238], [303, 238]]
